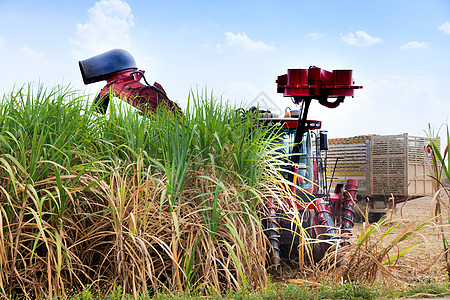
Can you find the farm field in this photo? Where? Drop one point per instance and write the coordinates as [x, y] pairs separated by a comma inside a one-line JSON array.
[[163, 204], [142, 202], [420, 273], [192, 150], [424, 261]]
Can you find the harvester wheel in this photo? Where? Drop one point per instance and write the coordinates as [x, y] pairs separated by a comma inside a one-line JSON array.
[[375, 217]]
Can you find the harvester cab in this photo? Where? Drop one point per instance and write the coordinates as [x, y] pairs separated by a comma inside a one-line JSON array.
[[321, 211], [306, 174]]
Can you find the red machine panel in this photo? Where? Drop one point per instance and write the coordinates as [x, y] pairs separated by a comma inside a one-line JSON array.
[[316, 83]]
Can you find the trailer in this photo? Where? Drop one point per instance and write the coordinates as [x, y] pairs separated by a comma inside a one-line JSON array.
[[390, 169]]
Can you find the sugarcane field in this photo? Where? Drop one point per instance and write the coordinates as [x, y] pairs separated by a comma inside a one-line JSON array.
[[158, 151]]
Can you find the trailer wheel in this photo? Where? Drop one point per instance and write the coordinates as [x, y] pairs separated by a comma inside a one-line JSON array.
[[362, 207], [375, 217]]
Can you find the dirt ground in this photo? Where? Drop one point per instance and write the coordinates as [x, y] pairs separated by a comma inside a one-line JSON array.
[[425, 260], [419, 209]]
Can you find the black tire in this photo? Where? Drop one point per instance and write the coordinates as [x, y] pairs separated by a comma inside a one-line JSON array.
[[375, 217], [360, 211]]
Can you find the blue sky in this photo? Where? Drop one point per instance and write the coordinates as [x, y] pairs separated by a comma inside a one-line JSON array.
[[398, 50]]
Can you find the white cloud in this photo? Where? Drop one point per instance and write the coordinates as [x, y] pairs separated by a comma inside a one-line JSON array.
[[316, 35], [386, 105], [30, 53], [445, 27], [108, 27], [246, 95], [360, 38], [415, 45], [241, 91], [241, 40]]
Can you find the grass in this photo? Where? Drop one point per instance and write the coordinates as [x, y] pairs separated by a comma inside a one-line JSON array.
[[159, 205], [440, 168], [148, 203], [279, 291]]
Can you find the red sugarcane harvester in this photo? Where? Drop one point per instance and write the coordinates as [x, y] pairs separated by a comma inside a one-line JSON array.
[[321, 210]]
